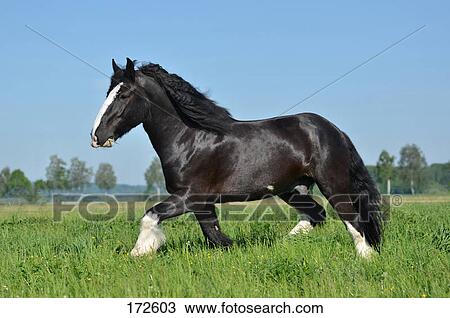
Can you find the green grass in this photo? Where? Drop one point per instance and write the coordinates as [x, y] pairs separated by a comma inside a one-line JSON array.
[[76, 258]]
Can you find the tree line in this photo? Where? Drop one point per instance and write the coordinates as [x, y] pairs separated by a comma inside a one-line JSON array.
[[75, 177], [410, 174], [59, 177]]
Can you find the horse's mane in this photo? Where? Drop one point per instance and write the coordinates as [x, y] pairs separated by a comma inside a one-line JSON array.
[[193, 106]]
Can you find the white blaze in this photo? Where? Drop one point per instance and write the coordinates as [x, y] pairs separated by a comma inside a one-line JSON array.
[[108, 101]]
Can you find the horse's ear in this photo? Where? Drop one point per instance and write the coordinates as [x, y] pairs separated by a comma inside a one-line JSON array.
[[129, 70], [116, 68]]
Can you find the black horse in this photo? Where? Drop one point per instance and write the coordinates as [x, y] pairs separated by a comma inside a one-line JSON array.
[[204, 153]]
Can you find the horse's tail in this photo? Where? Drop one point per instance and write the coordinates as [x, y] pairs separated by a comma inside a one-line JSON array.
[[368, 202]]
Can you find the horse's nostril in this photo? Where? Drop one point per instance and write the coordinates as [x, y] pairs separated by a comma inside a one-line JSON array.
[[94, 141]]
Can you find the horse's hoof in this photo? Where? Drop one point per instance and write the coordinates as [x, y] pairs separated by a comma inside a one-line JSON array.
[[365, 252], [303, 227], [139, 252]]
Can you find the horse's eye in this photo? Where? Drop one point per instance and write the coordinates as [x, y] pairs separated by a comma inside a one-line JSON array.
[[124, 96]]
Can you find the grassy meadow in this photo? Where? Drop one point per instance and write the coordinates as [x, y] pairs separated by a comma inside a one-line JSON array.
[[76, 258]]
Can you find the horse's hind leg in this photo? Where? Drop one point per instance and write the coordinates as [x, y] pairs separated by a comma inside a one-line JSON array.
[[207, 218], [345, 208], [339, 195], [312, 213]]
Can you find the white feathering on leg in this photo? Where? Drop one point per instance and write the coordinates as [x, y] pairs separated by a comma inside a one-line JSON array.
[[362, 247], [303, 226], [151, 236]]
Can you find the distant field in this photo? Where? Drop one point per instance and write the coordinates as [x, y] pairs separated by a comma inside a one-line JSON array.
[[425, 198], [77, 258]]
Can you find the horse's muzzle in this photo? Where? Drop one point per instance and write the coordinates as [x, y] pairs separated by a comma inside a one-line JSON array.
[[107, 144]]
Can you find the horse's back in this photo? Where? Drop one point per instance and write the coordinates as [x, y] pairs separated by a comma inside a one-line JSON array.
[[257, 156], [272, 153]]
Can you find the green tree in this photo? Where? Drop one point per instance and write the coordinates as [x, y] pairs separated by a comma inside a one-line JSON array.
[[79, 175], [440, 173], [105, 178], [4, 177], [57, 174], [18, 185], [38, 187], [438, 178], [385, 170], [412, 166], [154, 176]]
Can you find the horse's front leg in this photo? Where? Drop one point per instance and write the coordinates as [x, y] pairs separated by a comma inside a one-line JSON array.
[[207, 217], [151, 236]]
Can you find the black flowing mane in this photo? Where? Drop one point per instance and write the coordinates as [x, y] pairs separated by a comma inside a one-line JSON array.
[[193, 106]]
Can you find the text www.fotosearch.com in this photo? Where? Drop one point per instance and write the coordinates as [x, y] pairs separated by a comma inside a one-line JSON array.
[[235, 308]]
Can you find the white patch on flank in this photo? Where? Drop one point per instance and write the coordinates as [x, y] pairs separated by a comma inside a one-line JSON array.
[[304, 226], [108, 101], [270, 187], [150, 238], [362, 247]]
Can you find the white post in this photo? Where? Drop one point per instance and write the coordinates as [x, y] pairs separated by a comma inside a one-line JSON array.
[[389, 186]]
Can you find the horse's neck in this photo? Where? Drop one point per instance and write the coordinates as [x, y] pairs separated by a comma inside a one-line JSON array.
[[165, 129], [163, 125]]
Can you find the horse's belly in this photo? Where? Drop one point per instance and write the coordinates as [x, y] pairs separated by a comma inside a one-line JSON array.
[[261, 179]]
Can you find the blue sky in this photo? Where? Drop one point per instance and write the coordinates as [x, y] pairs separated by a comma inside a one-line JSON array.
[[256, 58]]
